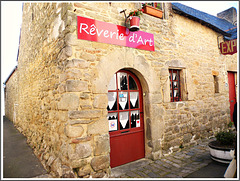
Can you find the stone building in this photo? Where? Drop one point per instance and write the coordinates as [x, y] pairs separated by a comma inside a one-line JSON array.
[[88, 102]]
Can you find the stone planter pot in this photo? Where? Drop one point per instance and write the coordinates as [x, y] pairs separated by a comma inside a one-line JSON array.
[[220, 153], [152, 11]]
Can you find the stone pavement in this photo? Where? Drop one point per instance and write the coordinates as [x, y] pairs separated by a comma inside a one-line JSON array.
[[19, 161], [177, 165]]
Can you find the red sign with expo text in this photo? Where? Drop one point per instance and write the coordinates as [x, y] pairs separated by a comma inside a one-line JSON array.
[[228, 47], [94, 30]]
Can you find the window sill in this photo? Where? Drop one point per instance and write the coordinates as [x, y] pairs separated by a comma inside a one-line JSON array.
[[153, 11]]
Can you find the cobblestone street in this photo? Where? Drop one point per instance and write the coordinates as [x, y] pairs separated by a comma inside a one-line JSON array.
[[176, 165]]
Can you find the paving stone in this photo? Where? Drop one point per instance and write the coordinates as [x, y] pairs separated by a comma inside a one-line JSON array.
[[166, 165], [191, 153], [171, 176], [132, 175], [176, 165], [177, 161], [141, 174], [191, 168], [161, 168], [186, 171], [153, 175], [187, 161], [178, 157], [187, 156], [158, 162], [154, 169], [167, 161], [140, 169], [197, 159], [178, 153], [176, 170], [146, 171], [163, 173], [156, 165], [201, 150], [195, 163]]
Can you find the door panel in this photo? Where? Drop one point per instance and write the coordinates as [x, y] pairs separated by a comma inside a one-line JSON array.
[[232, 92], [125, 148]]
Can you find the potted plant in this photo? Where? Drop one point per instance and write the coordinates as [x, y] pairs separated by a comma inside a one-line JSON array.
[[153, 9], [134, 17], [221, 147]]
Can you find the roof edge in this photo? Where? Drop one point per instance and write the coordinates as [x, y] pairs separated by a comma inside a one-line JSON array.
[[15, 68]]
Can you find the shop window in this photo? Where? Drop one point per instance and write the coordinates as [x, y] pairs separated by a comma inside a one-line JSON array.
[[216, 84], [175, 85], [124, 107]]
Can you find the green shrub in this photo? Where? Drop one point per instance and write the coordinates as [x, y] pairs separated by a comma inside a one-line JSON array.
[[230, 124], [225, 137]]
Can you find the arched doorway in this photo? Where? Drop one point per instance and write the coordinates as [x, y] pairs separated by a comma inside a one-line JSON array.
[[125, 116]]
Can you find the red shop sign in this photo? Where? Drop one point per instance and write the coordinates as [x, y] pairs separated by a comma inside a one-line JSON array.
[[94, 30], [228, 47]]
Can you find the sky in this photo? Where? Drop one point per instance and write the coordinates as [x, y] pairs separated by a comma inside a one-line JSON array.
[[211, 7], [11, 18]]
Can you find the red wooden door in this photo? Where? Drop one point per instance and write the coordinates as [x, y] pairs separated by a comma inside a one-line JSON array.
[[125, 116], [232, 92]]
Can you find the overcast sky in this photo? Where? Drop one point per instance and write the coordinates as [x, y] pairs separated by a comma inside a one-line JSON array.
[[11, 17]]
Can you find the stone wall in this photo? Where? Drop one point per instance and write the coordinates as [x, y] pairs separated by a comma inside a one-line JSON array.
[[10, 96], [42, 56], [63, 85], [203, 112]]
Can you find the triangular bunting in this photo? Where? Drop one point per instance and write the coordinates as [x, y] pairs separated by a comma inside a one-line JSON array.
[[112, 99], [133, 98]]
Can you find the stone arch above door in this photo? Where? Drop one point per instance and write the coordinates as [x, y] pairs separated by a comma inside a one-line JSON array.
[[124, 59]]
